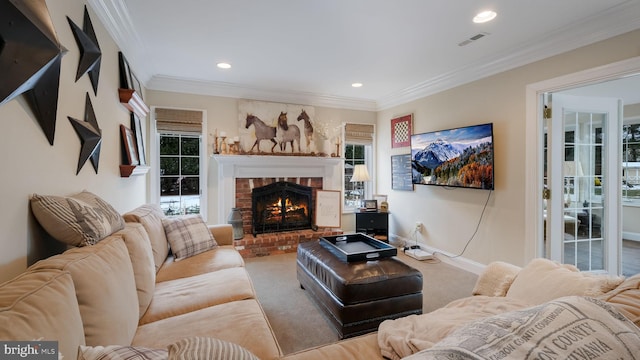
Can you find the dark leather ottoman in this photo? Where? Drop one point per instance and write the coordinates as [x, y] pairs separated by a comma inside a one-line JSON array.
[[357, 296]]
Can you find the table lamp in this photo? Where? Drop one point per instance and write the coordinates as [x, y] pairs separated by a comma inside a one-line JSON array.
[[360, 175]]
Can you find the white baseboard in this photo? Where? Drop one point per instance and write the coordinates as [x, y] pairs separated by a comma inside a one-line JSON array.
[[460, 262], [631, 236]]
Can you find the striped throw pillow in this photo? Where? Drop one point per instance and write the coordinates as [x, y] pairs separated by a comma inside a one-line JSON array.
[[208, 348], [78, 220], [120, 352]]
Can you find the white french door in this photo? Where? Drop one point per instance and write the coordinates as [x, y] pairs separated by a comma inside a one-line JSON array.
[[582, 172]]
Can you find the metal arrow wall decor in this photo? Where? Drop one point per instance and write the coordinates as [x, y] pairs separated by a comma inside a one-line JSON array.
[[30, 59], [90, 136], [90, 54]]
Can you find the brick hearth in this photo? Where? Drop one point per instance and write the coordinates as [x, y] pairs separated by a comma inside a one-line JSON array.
[[279, 243]]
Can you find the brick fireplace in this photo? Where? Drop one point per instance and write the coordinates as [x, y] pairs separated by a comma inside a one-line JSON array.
[[239, 174]]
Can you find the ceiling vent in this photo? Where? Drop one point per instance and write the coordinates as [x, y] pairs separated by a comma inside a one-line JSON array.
[[473, 38]]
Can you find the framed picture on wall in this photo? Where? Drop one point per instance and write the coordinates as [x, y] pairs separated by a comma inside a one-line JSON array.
[[136, 126], [401, 172], [401, 131], [129, 144]]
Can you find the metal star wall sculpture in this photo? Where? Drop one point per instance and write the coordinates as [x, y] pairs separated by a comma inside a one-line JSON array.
[[30, 59], [90, 136], [90, 54]]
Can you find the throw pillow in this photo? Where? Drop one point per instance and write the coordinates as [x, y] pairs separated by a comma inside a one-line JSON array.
[[544, 280], [120, 352], [188, 236], [78, 220], [208, 348], [626, 298], [572, 327], [496, 279]]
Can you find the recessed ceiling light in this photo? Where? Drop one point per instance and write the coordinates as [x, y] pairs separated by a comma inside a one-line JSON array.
[[224, 65], [484, 17], [356, 85]]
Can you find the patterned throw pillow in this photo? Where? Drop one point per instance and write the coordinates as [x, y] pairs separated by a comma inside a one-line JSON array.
[[78, 220], [188, 236], [119, 352], [208, 348], [571, 327]]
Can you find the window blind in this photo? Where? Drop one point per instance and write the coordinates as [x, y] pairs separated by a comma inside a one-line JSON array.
[[175, 120], [358, 133]]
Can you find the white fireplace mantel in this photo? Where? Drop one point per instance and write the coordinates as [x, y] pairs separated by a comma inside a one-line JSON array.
[[231, 167]]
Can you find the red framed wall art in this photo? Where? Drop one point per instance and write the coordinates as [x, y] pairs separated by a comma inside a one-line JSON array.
[[401, 131]]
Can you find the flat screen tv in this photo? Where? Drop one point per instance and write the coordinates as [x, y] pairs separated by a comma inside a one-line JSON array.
[[460, 157]]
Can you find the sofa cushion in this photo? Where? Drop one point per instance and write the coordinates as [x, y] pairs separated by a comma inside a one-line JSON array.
[[180, 296], [188, 236], [543, 280], [79, 220], [626, 298], [242, 322], [496, 279], [359, 347], [144, 270], [120, 352], [208, 348], [404, 336], [105, 288], [222, 257], [567, 328], [150, 216], [42, 305]]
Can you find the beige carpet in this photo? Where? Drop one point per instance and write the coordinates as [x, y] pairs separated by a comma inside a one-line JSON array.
[[296, 319]]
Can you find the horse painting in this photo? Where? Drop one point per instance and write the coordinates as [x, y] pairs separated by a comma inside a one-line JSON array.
[[288, 133], [263, 131], [308, 128]]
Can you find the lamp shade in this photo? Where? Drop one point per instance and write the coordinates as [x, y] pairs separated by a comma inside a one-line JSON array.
[[360, 173]]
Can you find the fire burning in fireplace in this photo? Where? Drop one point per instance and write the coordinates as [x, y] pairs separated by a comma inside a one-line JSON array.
[[281, 206]]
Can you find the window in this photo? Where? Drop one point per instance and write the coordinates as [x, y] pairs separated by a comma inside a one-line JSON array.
[[631, 161], [179, 184], [180, 173], [358, 150]]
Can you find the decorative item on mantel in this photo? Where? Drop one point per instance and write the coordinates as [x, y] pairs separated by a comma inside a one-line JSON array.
[[235, 219], [262, 126]]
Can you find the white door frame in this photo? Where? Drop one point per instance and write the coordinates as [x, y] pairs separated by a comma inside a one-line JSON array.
[[534, 140]]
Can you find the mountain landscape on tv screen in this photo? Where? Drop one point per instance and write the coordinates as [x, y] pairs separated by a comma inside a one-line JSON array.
[[461, 164]]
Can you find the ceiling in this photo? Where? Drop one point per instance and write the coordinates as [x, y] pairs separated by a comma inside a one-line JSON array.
[[311, 51]]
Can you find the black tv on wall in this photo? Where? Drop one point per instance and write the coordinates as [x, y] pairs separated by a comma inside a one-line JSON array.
[[459, 157]]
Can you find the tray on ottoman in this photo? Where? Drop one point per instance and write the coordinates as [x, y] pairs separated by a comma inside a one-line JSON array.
[[357, 247]]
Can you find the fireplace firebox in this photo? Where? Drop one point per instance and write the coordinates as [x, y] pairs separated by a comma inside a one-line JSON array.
[[281, 206]]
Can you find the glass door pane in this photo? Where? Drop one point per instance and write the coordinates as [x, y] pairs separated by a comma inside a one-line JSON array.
[[584, 163], [583, 176]]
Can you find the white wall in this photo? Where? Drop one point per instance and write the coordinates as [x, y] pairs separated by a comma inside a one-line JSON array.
[[222, 114], [451, 215], [30, 165]]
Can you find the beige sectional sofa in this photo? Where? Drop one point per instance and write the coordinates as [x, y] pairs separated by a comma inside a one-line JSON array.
[[127, 289]]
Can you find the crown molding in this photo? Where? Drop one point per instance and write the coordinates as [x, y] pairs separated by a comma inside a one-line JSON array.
[[212, 88], [115, 17], [615, 21]]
